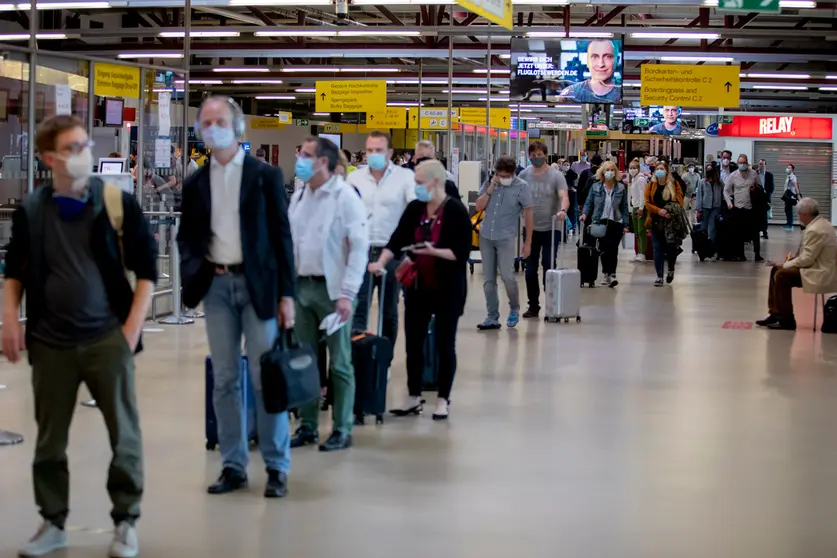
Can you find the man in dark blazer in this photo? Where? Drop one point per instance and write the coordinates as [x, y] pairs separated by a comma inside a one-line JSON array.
[[767, 181], [237, 257]]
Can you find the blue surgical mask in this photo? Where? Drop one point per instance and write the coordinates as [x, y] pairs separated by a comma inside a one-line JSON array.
[[787, 171], [660, 173], [609, 175], [217, 137], [743, 166], [422, 193], [584, 159], [304, 168], [377, 161]]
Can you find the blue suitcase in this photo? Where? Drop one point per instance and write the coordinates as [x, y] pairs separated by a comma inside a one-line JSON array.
[[249, 405]]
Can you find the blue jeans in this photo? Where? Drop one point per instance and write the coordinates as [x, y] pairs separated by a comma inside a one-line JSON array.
[[709, 221], [662, 251], [228, 315]]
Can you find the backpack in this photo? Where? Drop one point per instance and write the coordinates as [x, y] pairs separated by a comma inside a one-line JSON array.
[[476, 223], [829, 315], [112, 197]]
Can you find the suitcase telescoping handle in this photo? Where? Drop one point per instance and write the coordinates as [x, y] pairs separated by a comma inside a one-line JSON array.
[[381, 292], [560, 260]]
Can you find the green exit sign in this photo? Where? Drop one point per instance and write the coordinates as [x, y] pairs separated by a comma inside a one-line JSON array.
[[750, 5], [300, 122], [642, 122]]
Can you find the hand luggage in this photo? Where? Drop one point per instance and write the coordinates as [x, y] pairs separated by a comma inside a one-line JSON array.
[[829, 315], [725, 237], [248, 402], [588, 260], [430, 376], [371, 357], [563, 289], [701, 244]]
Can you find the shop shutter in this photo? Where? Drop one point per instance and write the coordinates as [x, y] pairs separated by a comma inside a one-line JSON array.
[[814, 165]]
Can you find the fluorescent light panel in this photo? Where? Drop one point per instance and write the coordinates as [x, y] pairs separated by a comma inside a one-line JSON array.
[[256, 81], [295, 33], [25, 36], [493, 71], [306, 90], [176, 34], [697, 59], [57, 6], [782, 87], [779, 76], [125, 55], [370, 31], [275, 97], [340, 69], [238, 69], [320, 114], [669, 35], [828, 88], [402, 104], [199, 82], [278, 3]]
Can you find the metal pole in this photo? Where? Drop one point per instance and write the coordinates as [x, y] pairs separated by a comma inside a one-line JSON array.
[[488, 101], [141, 138], [176, 318], [91, 99], [187, 43], [419, 101], [33, 84], [450, 94]]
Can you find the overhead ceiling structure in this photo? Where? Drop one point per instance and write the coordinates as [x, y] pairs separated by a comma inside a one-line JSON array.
[[273, 51]]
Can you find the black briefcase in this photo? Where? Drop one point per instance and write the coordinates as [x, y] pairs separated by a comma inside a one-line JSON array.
[[290, 375]]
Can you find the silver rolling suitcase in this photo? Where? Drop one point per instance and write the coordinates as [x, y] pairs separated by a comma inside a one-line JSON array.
[[563, 287]]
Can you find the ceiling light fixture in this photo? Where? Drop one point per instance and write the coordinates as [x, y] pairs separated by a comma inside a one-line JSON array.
[[697, 59], [306, 90], [25, 36], [125, 55], [828, 88], [797, 4], [403, 104], [295, 33], [779, 76], [237, 69], [320, 114], [197, 34], [782, 87], [199, 82], [340, 69], [403, 2], [505, 56], [63, 6], [275, 97], [493, 71], [632, 84], [465, 91], [278, 3], [256, 81], [495, 99], [670, 35], [379, 33]]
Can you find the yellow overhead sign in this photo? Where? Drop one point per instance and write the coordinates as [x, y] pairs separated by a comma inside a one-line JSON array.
[[392, 117], [113, 80], [351, 96], [285, 117], [339, 128], [266, 123], [495, 11], [690, 85], [431, 119], [500, 117]]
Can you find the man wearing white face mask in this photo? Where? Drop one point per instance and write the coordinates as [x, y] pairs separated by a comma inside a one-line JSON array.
[[71, 243], [386, 189], [236, 255]]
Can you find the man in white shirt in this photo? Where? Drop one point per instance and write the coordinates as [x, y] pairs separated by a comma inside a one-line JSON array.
[[237, 258], [385, 189], [331, 245], [745, 198]]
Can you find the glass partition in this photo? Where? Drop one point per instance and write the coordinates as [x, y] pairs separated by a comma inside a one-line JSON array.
[[14, 135]]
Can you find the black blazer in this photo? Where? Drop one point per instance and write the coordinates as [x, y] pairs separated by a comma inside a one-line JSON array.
[[769, 185], [455, 234], [265, 237]]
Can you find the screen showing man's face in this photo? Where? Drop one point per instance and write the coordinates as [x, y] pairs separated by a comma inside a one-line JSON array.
[[670, 115], [601, 60]]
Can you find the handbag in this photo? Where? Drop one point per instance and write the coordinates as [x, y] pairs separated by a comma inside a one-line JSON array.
[[290, 375], [790, 197], [407, 273], [599, 230]]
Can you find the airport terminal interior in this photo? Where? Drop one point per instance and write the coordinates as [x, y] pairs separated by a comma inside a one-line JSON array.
[[663, 423]]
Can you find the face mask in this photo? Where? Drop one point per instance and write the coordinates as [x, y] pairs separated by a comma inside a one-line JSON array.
[[217, 137], [304, 168], [377, 161], [565, 168], [506, 181], [69, 207], [691, 169], [79, 167], [538, 161], [609, 175], [725, 162], [422, 193], [633, 172], [743, 166], [584, 159], [788, 171], [660, 173]]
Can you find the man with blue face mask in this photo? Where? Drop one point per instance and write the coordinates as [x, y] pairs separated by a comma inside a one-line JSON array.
[[72, 241], [331, 247], [385, 189], [746, 200], [237, 257]]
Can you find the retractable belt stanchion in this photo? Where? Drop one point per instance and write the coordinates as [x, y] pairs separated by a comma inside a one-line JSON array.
[[176, 318]]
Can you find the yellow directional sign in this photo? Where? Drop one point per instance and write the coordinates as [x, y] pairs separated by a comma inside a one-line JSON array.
[[690, 85], [500, 117], [392, 117], [495, 11], [266, 123], [285, 117], [351, 96], [431, 119], [339, 128]]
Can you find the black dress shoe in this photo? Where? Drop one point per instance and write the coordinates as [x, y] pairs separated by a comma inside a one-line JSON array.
[[771, 319], [337, 441], [277, 484], [759, 259], [229, 481], [531, 312], [783, 325], [304, 436]]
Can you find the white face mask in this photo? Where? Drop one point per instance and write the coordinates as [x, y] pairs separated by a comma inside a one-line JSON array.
[[633, 172], [217, 137], [79, 167], [506, 181]]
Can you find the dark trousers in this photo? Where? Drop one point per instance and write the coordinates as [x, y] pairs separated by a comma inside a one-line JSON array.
[[780, 294], [541, 253], [392, 287], [789, 214], [106, 366], [747, 228], [609, 247], [663, 252], [419, 307]]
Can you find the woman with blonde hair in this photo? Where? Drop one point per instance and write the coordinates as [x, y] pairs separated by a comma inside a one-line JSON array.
[[606, 211], [663, 192]]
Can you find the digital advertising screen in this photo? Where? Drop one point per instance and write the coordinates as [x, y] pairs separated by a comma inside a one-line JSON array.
[[113, 112], [566, 70], [667, 120]]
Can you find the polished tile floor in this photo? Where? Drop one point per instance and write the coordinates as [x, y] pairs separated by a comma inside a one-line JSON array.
[[645, 431]]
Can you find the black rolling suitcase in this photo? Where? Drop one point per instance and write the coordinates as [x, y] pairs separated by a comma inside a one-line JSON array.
[[725, 237], [371, 357], [430, 376], [701, 244], [588, 258]]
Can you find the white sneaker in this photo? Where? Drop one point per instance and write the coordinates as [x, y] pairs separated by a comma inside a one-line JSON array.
[[125, 543], [606, 280], [640, 258], [441, 412], [48, 539]]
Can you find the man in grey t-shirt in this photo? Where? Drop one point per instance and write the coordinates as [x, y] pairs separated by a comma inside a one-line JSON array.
[[549, 194]]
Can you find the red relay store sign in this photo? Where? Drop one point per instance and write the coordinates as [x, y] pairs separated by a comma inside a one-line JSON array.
[[790, 127]]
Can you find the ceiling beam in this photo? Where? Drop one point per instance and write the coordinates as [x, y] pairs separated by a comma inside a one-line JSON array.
[[395, 20]]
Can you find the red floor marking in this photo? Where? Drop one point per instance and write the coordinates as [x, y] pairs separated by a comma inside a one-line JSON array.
[[737, 325]]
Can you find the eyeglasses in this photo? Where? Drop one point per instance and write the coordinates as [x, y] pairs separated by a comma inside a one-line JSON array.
[[76, 147]]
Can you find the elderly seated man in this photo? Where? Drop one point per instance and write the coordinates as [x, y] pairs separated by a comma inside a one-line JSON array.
[[814, 268]]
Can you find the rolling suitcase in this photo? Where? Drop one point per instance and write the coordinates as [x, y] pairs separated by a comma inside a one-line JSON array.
[[588, 261], [701, 244], [563, 288], [248, 399], [371, 357], [430, 376]]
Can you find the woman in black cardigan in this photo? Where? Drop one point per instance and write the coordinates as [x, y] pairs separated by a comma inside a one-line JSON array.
[[434, 276]]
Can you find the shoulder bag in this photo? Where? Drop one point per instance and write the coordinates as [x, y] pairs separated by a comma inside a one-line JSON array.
[[290, 375]]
